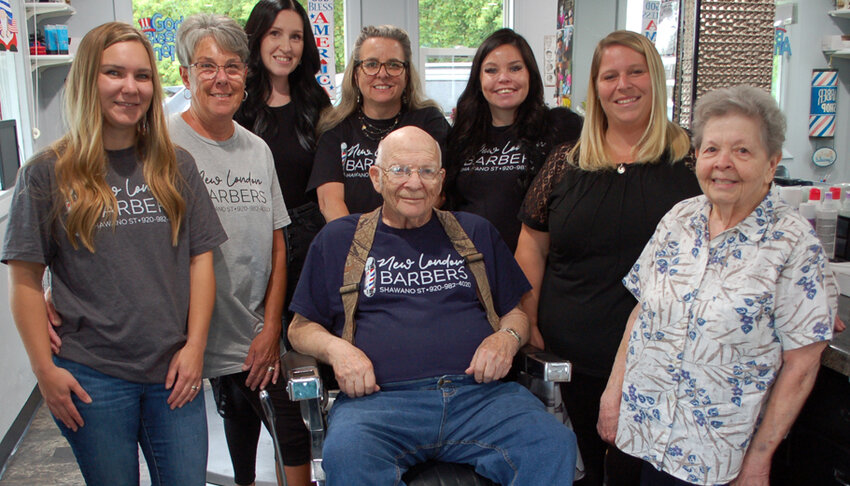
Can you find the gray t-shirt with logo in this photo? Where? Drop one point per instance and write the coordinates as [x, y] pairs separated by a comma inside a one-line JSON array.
[[240, 176], [124, 308]]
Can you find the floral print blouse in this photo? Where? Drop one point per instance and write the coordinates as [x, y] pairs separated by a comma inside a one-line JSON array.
[[716, 315]]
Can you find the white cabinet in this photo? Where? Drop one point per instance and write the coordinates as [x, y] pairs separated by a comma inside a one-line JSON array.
[[37, 12]]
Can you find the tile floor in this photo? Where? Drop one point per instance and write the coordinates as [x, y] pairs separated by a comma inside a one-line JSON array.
[[43, 457]]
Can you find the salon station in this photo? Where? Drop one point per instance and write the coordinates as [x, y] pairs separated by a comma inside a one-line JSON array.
[[799, 51]]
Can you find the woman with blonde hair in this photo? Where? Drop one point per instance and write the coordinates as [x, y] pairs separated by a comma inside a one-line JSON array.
[[381, 91], [123, 221], [586, 217]]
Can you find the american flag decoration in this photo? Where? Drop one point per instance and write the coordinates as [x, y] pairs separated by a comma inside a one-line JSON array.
[[824, 103], [145, 25], [8, 28]]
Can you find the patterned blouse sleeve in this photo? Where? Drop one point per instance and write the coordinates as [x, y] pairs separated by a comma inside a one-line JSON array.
[[534, 211], [806, 296]]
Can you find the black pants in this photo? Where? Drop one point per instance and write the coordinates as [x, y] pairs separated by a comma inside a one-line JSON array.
[[240, 408], [581, 397], [649, 476], [307, 220]]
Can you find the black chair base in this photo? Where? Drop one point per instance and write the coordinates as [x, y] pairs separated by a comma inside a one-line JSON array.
[[433, 473]]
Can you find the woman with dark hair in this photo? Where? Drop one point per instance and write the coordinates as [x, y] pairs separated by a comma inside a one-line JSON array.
[[283, 105], [380, 92], [502, 133]]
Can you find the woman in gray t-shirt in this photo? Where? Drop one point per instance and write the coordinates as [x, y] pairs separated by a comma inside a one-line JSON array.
[[124, 223]]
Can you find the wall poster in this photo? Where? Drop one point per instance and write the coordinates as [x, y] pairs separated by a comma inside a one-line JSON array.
[[564, 51], [321, 14], [8, 27]]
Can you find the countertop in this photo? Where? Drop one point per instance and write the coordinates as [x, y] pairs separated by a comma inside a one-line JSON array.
[[837, 355]]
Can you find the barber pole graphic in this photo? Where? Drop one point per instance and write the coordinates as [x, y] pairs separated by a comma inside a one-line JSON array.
[[824, 103], [369, 277]]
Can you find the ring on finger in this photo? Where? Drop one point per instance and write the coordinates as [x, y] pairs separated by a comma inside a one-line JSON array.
[[271, 369], [195, 387]]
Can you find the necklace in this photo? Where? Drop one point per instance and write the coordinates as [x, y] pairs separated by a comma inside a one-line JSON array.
[[621, 169], [373, 132]]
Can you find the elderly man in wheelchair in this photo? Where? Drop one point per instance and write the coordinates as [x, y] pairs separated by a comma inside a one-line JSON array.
[[416, 310]]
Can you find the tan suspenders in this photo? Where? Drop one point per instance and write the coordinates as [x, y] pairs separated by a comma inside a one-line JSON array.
[[355, 263]]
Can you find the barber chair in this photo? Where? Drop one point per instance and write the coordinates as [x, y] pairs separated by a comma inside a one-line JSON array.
[[537, 370]]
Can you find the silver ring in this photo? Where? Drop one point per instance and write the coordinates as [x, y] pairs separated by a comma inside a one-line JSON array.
[[194, 387], [271, 369]]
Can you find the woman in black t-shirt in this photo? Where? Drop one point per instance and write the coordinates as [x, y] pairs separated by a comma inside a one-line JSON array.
[[283, 105], [502, 133], [380, 92], [586, 218]]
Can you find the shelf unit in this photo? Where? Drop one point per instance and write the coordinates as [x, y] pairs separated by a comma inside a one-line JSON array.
[[45, 10], [37, 12], [843, 13], [45, 61]]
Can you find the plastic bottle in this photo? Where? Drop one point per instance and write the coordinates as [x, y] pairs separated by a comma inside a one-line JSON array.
[[827, 221], [808, 208], [845, 205]]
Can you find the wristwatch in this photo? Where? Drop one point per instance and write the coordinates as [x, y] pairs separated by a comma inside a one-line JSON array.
[[512, 333]]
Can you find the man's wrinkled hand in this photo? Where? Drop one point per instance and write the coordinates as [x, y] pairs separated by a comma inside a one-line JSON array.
[[493, 358], [353, 369]]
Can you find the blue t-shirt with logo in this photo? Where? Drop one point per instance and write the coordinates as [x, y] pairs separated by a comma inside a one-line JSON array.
[[418, 314]]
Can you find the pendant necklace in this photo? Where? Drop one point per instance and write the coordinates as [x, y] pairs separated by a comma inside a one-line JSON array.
[[373, 132]]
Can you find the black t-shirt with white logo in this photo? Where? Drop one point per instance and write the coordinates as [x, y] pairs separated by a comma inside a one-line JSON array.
[[344, 154], [490, 185]]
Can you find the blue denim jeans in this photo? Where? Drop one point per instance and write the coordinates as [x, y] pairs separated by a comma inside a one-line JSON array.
[[501, 429], [124, 415]]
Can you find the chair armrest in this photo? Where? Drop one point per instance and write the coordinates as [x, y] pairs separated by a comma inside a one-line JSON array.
[[303, 381], [543, 364]]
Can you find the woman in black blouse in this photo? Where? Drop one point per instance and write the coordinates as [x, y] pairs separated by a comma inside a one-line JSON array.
[[585, 219], [283, 104], [502, 133]]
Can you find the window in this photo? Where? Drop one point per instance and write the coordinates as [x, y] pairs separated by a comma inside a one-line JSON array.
[[449, 35], [659, 21], [160, 19]]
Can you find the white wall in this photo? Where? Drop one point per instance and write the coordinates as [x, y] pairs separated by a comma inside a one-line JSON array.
[[401, 13], [805, 35]]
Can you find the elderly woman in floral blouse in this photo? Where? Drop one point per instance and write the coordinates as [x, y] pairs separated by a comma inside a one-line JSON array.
[[735, 306]]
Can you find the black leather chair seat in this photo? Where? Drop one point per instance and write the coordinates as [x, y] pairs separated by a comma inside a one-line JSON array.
[[433, 473]]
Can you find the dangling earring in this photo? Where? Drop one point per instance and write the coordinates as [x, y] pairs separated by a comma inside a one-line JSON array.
[[187, 94], [142, 126], [404, 98], [359, 99], [245, 96]]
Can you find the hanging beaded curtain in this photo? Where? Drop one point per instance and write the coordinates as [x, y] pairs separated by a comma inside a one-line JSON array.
[[722, 43]]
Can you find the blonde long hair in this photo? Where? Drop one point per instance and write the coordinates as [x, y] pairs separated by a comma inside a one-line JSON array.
[[82, 164], [348, 102], [660, 135]]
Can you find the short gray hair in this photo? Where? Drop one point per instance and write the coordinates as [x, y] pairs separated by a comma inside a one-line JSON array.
[[747, 101], [224, 31]]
